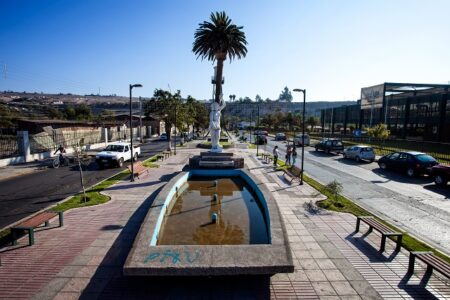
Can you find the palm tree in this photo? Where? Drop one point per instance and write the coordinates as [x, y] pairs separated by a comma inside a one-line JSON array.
[[215, 40]]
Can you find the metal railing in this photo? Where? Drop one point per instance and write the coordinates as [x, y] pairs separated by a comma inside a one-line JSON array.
[[8, 146], [440, 151]]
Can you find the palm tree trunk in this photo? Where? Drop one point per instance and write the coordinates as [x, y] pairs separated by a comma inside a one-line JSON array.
[[219, 72]]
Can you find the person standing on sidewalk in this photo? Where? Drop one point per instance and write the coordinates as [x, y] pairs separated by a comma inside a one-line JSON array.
[[275, 155], [294, 156], [288, 155]]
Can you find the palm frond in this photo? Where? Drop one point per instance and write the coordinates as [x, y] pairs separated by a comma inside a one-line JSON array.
[[219, 35]]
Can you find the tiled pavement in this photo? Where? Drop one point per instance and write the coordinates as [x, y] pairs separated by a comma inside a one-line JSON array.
[[84, 258]]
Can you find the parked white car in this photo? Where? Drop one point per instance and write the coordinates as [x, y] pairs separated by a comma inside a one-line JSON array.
[[359, 153], [116, 154], [298, 140]]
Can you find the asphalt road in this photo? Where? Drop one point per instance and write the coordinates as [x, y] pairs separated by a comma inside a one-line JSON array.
[[24, 195], [413, 204]]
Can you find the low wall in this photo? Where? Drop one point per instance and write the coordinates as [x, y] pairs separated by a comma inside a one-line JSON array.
[[43, 155]]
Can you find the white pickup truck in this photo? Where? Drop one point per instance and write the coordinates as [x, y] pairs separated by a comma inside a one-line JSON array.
[[116, 154]]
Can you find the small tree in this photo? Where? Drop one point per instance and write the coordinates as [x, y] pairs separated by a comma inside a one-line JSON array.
[[78, 150], [379, 131], [334, 188]]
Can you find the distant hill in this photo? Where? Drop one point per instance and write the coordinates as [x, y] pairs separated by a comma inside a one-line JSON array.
[[119, 104]]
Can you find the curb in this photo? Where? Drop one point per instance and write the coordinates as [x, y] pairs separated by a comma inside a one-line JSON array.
[[61, 201], [391, 222]]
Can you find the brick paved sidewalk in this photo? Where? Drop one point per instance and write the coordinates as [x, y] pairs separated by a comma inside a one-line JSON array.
[[84, 258], [337, 262]]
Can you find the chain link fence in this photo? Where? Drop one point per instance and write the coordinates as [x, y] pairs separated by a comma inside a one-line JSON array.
[[8, 146], [44, 141]]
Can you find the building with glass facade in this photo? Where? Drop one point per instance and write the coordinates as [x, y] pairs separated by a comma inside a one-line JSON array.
[[418, 111]]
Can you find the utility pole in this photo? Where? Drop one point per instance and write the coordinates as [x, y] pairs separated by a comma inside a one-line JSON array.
[[140, 118], [175, 139], [257, 141], [251, 117]]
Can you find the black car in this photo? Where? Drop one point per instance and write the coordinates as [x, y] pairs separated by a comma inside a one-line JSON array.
[[441, 174], [330, 145], [260, 139], [411, 163]]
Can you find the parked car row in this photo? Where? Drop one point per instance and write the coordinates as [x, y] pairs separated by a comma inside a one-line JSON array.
[[330, 145], [410, 163]]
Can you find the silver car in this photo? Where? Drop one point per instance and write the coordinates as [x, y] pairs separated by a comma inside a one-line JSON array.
[[360, 153]]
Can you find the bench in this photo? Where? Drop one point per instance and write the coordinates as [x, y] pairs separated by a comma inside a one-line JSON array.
[[293, 172], [160, 156], [33, 222], [138, 168], [432, 262], [267, 157], [383, 229], [216, 163], [167, 154]]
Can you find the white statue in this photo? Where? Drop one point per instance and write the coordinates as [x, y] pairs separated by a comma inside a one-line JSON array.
[[214, 125]]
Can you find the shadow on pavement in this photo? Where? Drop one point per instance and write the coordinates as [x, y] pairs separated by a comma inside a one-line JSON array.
[[368, 249], [417, 291], [443, 190], [398, 177], [352, 162], [108, 282], [322, 153], [130, 186]]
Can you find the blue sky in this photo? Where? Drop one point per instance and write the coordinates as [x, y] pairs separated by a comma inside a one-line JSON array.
[[330, 48]]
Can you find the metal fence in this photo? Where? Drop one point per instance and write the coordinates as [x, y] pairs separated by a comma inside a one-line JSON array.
[[440, 151], [8, 146]]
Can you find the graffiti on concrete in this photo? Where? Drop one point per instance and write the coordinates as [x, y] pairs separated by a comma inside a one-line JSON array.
[[173, 256]]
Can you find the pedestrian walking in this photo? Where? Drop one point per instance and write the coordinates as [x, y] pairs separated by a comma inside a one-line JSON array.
[[294, 156], [275, 155]]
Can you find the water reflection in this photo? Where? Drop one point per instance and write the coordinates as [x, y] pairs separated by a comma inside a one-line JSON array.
[[239, 217]]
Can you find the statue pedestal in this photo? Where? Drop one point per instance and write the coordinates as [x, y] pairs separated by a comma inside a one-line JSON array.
[[216, 160]]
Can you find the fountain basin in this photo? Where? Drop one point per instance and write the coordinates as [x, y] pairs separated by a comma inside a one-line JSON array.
[[268, 256]]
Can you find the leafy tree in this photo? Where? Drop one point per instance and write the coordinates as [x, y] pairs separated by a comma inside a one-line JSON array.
[[8, 116], [285, 95], [83, 112], [107, 115], [258, 98], [312, 121], [278, 118], [167, 106], [69, 113], [54, 113], [268, 120], [215, 40]]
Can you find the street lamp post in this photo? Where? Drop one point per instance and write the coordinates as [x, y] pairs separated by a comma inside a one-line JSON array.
[[175, 140], [303, 131], [131, 130], [257, 142], [140, 119]]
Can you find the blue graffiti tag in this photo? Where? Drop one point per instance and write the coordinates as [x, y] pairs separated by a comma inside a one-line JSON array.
[[151, 256], [188, 256], [173, 256], [168, 253]]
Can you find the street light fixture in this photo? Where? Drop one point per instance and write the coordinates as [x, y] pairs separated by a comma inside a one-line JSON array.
[[303, 131], [131, 131]]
